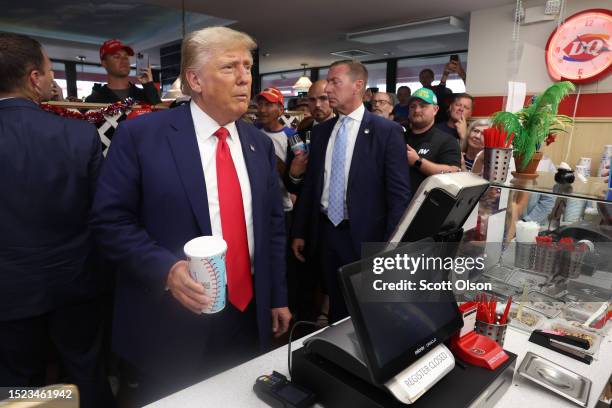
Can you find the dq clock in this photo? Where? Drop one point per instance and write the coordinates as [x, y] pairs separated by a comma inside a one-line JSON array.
[[580, 49]]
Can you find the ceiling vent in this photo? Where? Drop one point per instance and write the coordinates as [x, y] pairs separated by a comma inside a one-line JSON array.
[[418, 29]]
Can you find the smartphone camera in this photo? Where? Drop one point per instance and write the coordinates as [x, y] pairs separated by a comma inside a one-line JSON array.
[[142, 63]]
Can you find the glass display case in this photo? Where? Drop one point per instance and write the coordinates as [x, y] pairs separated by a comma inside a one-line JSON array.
[[559, 270]]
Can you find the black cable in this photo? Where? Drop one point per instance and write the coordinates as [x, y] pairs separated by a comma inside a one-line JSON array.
[[301, 322]]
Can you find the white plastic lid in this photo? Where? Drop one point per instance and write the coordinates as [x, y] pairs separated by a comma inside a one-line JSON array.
[[205, 246]]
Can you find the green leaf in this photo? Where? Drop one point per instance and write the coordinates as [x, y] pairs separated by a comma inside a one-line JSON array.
[[532, 124]]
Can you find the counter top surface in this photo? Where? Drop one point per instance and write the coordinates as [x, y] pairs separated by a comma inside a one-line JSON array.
[[234, 387]]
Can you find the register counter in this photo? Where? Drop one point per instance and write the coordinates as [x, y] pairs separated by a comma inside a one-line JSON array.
[[233, 388]]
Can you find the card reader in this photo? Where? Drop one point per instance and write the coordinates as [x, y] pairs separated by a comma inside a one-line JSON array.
[[278, 392]]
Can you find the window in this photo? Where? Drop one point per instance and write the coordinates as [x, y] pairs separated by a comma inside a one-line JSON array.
[[89, 75], [63, 85], [377, 75], [408, 70], [283, 81], [59, 75]]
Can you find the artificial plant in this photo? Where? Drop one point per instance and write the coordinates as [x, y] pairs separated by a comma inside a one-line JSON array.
[[533, 124]]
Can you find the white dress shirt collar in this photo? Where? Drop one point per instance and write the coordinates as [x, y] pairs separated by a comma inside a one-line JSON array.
[[207, 126], [357, 114]]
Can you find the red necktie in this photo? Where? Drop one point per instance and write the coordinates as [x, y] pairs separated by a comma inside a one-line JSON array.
[[233, 225]]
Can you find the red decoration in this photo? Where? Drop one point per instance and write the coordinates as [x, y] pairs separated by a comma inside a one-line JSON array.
[[94, 117], [139, 111]]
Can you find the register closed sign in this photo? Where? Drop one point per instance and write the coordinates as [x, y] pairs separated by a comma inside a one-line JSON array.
[[416, 379]]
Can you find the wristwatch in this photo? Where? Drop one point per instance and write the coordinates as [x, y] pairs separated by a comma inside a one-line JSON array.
[[418, 162]]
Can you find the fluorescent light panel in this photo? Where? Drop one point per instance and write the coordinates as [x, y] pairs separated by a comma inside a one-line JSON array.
[[417, 29]]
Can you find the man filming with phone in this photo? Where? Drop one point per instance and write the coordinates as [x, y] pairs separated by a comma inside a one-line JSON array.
[[444, 94], [115, 58]]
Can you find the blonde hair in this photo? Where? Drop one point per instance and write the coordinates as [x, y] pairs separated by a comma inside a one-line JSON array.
[[477, 122], [200, 46]]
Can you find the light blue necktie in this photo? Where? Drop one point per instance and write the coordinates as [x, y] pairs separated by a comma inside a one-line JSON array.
[[335, 206]]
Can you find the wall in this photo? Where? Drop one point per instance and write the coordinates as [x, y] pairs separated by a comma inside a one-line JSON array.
[[490, 49], [489, 61], [588, 139]]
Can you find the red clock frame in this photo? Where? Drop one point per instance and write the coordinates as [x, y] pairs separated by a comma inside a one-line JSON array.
[[568, 21]]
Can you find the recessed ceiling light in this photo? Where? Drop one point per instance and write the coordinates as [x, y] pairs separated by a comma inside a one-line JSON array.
[[351, 53], [266, 54]]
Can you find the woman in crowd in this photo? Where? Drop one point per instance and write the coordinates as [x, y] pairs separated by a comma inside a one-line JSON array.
[[473, 144]]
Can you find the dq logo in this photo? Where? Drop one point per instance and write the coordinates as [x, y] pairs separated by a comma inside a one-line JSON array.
[[586, 47]]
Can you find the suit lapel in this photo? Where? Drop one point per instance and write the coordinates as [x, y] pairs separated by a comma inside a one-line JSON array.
[[184, 146], [252, 159], [359, 152], [326, 135]]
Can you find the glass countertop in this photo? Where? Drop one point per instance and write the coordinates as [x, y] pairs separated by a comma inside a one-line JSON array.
[[595, 188]]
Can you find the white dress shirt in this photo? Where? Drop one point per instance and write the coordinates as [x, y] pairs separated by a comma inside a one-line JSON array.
[[354, 122], [205, 127]]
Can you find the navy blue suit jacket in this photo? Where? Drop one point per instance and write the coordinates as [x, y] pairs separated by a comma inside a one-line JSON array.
[[151, 200], [48, 171], [378, 190]]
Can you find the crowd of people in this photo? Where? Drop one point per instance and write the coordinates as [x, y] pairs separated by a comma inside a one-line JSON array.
[[80, 231]]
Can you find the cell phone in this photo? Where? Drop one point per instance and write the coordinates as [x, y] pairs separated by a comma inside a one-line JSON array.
[[142, 63], [454, 57]]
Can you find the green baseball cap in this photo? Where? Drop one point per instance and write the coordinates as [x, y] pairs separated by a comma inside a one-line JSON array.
[[426, 95]]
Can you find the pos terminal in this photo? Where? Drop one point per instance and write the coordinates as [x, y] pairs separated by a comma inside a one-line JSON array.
[[392, 353]]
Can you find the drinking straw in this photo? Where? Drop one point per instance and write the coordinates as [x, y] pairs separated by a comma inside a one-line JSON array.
[[504, 317]]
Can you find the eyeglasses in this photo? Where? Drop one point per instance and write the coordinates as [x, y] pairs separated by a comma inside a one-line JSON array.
[[377, 101]]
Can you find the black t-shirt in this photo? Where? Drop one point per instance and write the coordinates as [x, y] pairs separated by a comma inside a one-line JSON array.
[[445, 98], [435, 146], [443, 126]]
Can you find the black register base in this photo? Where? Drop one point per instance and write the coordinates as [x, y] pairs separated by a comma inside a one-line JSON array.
[[473, 387]]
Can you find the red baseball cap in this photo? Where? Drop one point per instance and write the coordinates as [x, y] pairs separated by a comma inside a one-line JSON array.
[[272, 95], [112, 46]]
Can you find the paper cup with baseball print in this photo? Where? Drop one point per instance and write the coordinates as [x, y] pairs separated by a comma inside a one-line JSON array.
[[206, 256]]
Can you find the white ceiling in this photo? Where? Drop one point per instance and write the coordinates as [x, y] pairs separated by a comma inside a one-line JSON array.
[[291, 32]]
